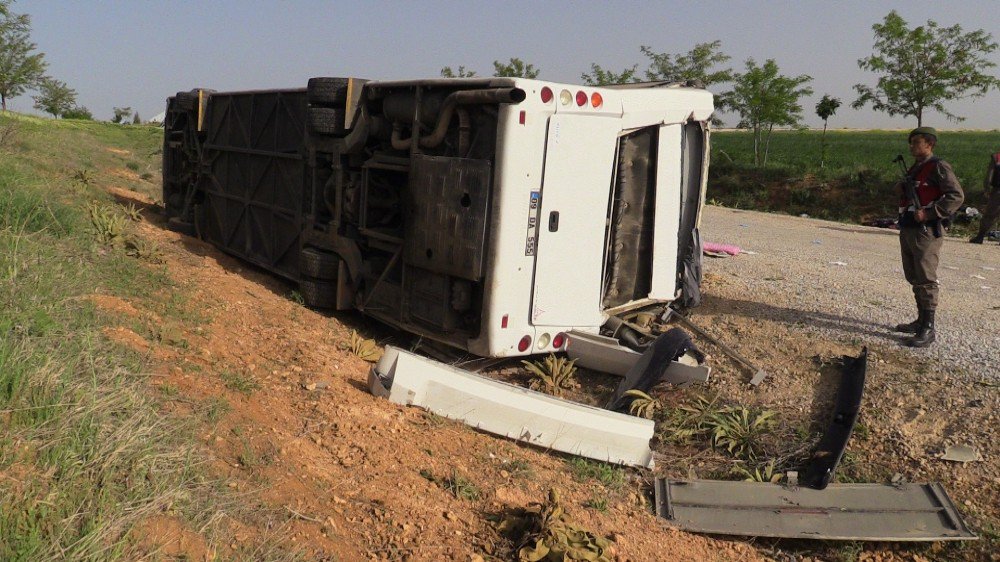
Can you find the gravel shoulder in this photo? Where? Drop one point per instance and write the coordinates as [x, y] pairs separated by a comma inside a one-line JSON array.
[[846, 281]]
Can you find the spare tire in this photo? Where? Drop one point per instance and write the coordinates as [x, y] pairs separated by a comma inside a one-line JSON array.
[[318, 264], [323, 90], [326, 120]]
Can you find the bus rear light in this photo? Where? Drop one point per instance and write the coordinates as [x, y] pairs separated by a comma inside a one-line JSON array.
[[581, 98], [543, 340], [596, 100], [520, 118], [565, 97], [546, 94], [503, 321], [524, 344], [559, 340]]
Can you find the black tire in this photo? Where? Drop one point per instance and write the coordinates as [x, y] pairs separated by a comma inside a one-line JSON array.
[[318, 264], [323, 90], [317, 293], [186, 101], [326, 120], [184, 227]]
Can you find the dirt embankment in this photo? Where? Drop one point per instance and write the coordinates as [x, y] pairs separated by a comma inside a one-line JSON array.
[[286, 419]]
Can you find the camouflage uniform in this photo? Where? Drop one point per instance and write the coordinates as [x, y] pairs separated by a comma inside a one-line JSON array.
[[919, 247], [920, 242]]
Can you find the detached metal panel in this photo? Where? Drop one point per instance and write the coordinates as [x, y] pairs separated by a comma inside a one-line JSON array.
[[512, 411], [880, 512]]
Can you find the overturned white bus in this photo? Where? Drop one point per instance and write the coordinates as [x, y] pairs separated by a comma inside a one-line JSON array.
[[493, 215]]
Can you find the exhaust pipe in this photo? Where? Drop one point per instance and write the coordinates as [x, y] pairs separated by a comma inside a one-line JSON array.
[[464, 97]]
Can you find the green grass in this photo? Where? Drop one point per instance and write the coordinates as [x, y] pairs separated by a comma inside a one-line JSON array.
[[239, 382], [85, 455], [609, 475], [855, 184]]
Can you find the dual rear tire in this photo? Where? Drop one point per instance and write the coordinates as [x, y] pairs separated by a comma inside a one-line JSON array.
[[318, 282]]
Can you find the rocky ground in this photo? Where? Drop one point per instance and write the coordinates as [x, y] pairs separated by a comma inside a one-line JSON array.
[[285, 417]]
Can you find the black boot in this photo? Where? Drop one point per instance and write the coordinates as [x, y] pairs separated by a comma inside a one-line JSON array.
[[925, 335], [912, 327], [977, 239]]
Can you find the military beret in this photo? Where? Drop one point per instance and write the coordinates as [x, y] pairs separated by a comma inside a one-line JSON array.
[[923, 131]]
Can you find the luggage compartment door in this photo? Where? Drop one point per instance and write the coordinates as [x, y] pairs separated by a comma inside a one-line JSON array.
[[576, 185]]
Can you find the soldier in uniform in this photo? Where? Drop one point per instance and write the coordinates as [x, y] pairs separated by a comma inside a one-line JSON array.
[[991, 187], [921, 228]]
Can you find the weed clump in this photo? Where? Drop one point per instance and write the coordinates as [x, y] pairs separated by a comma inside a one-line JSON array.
[[552, 376], [545, 532]]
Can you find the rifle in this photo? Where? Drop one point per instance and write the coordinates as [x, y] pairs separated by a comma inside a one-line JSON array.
[[910, 190]]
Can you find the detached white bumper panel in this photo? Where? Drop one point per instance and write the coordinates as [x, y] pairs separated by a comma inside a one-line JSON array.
[[512, 411]]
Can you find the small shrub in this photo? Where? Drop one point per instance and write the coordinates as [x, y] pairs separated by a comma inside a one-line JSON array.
[[597, 504], [608, 474], [238, 382], [553, 375], [297, 298], [643, 405], [546, 532], [363, 348], [765, 473], [739, 431], [132, 212], [109, 226], [83, 177], [143, 249], [134, 166], [459, 486]]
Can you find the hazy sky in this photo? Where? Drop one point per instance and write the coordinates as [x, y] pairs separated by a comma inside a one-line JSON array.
[[135, 53]]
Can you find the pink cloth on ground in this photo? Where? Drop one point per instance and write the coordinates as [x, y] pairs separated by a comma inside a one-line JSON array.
[[724, 248]]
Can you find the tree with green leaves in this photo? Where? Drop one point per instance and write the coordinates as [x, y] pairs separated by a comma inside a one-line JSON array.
[[136, 120], [600, 77], [54, 97], [121, 114], [79, 112], [447, 72], [924, 67], [825, 109], [20, 67], [764, 99], [516, 68], [697, 66]]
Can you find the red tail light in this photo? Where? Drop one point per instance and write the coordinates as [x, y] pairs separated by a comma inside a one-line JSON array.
[[546, 94], [581, 98], [524, 344], [559, 340]]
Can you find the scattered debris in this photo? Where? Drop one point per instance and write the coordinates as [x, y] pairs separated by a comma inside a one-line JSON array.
[[961, 453], [759, 374], [511, 411], [653, 366], [882, 222], [876, 512], [712, 248], [824, 460], [840, 263]]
